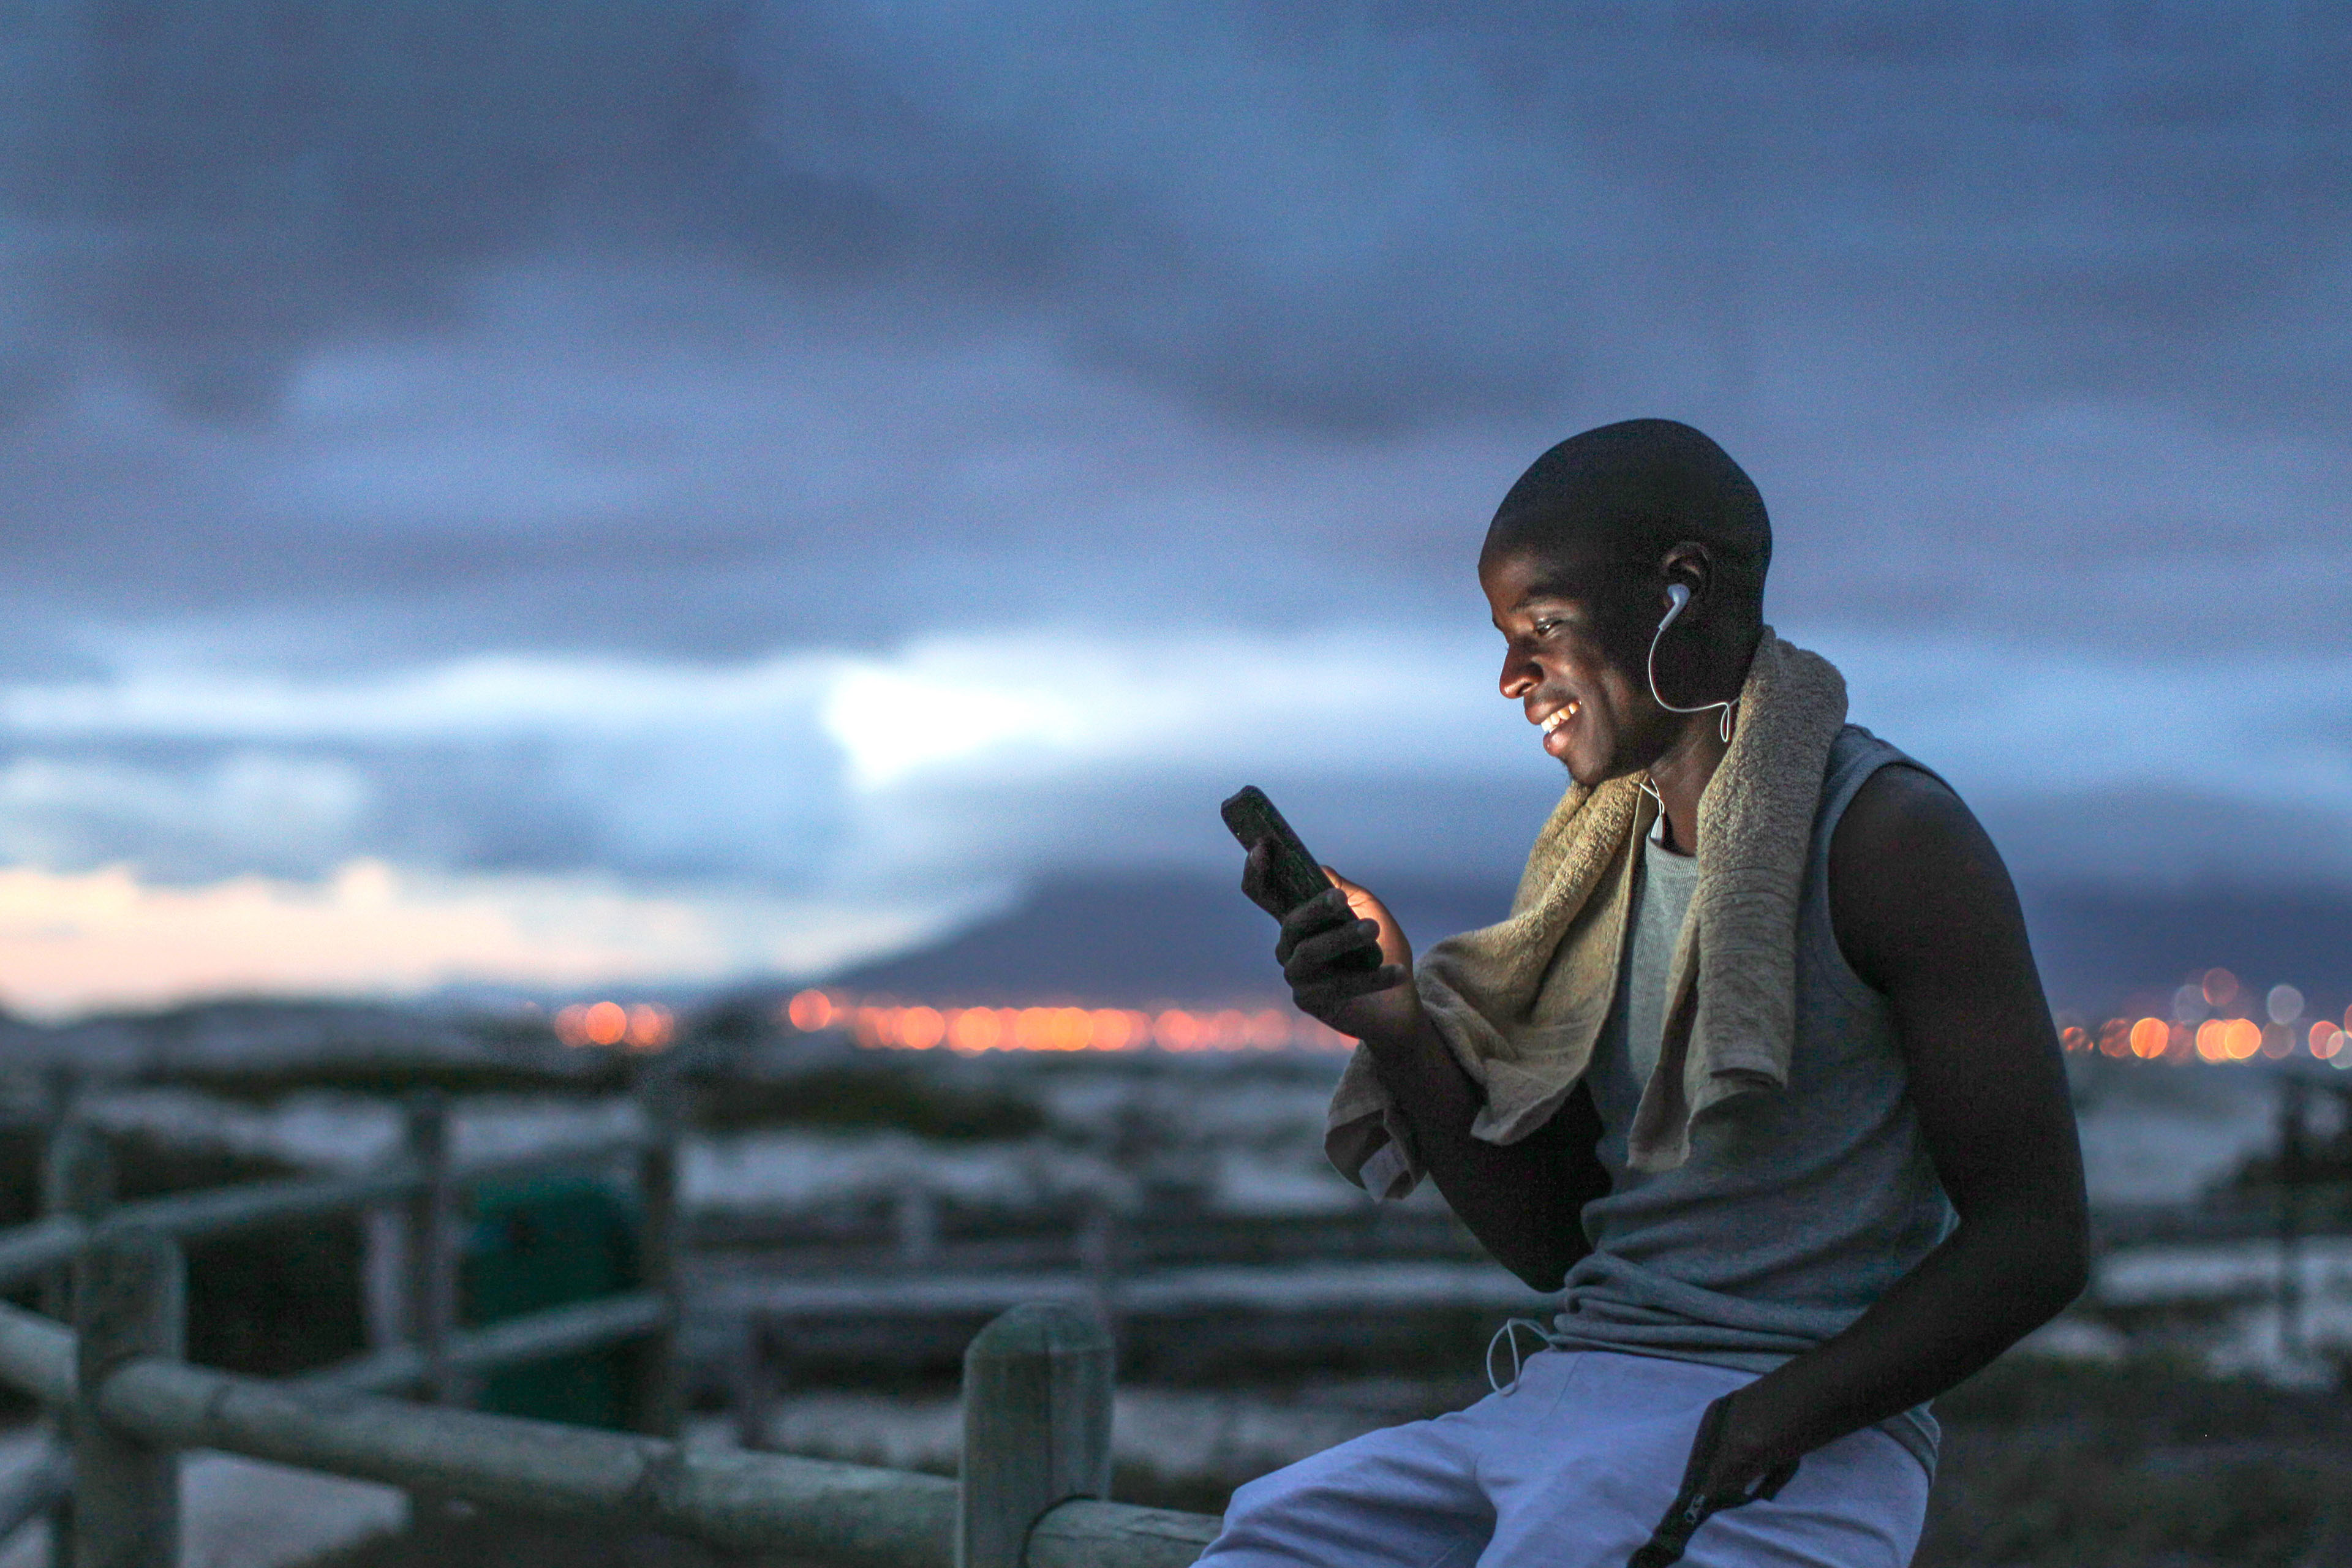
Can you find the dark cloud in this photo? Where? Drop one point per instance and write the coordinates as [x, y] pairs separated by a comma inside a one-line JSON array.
[[343, 341], [1358, 218]]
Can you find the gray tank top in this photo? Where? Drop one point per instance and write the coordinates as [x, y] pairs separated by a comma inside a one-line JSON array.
[[1797, 1208]]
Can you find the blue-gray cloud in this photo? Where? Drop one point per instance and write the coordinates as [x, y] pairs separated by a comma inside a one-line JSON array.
[[341, 351]]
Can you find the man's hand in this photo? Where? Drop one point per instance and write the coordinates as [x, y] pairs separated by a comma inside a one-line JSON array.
[[1351, 966], [1731, 1458], [1714, 1480], [1347, 960]]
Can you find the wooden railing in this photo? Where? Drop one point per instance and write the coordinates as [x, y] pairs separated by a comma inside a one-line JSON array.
[[1036, 1413]]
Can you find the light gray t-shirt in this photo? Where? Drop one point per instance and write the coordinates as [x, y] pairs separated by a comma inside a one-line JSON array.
[[1797, 1207]]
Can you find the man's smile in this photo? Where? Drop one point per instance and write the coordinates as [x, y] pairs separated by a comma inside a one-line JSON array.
[[1555, 726]]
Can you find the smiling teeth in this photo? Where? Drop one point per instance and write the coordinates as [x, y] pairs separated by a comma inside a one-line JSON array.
[[1561, 717]]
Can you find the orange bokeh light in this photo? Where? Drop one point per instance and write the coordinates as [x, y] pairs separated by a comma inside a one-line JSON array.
[[605, 1024], [2327, 1040], [649, 1027], [975, 1030], [811, 1011], [2149, 1038], [2114, 1037], [1270, 1030], [920, 1028], [971, 1030], [2220, 988], [2240, 1039]]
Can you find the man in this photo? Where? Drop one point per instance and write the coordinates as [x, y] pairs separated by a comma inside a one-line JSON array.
[[1759, 1069]]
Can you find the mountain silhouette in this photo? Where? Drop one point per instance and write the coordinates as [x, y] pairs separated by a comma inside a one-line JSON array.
[[1137, 939]]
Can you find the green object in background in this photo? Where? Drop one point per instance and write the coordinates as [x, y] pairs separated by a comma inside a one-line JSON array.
[[543, 1243]]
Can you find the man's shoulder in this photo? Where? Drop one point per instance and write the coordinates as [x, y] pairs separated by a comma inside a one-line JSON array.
[[1908, 859]]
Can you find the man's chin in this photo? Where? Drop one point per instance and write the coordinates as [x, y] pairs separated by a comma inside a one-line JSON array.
[[1593, 772]]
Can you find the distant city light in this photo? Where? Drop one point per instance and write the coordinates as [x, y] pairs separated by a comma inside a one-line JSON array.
[[889, 1026], [2201, 1027], [2204, 1026], [642, 1028], [810, 1010]]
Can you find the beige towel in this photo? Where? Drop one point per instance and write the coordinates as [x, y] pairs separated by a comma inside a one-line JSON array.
[[1520, 1004]]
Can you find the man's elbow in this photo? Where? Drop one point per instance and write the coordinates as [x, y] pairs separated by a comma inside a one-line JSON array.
[[2065, 1275], [2051, 1268], [2036, 1258]]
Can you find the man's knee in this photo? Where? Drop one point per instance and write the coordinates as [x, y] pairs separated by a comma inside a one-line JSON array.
[[1271, 1496], [1388, 1497]]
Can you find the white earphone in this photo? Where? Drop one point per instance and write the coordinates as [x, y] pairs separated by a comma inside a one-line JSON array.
[[1678, 595]]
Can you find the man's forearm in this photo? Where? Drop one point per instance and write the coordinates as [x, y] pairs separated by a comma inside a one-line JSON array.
[[1989, 1285], [1522, 1200]]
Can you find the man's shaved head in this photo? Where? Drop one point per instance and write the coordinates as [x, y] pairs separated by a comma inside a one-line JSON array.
[[1635, 489]]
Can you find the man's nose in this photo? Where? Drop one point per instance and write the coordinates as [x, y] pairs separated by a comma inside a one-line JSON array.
[[1521, 675]]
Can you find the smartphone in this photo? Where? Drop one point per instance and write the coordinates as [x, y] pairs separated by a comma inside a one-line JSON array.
[[1295, 876]]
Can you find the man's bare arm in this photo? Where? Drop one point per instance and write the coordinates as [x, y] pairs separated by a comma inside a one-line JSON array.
[[1523, 1201], [1924, 913]]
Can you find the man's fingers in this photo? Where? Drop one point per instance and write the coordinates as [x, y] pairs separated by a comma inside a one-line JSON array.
[[1327, 949], [1326, 912]]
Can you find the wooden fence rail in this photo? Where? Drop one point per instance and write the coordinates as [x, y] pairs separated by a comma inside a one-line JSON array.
[[1045, 1394], [31, 1250], [1038, 1390]]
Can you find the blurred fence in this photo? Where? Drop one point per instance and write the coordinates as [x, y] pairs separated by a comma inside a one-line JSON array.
[[1037, 1411]]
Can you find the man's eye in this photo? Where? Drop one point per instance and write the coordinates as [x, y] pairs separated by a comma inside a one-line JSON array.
[[1544, 628]]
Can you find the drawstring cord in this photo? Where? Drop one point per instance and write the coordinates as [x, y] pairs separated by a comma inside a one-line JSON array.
[[1509, 1334]]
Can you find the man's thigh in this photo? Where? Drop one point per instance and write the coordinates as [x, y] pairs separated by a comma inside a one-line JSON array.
[[1858, 1503], [1405, 1497], [1616, 1447]]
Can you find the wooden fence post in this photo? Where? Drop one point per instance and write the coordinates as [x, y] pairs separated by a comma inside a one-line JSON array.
[[915, 1225], [76, 1179], [129, 1303], [2291, 1179], [1036, 1428], [431, 1246], [430, 1254], [1097, 1245], [656, 1401]]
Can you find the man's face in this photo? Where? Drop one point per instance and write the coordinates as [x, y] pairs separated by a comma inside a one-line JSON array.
[[1576, 632]]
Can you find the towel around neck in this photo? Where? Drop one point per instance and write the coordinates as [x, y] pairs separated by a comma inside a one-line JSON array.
[[1520, 1004]]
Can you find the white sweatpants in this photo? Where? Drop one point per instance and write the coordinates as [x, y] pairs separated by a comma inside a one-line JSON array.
[[1571, 1468]]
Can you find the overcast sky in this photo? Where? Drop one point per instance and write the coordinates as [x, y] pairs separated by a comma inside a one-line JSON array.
[[662, 491]]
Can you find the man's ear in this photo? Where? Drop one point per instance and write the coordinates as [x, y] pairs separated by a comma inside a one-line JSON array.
[[1692, 564]]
